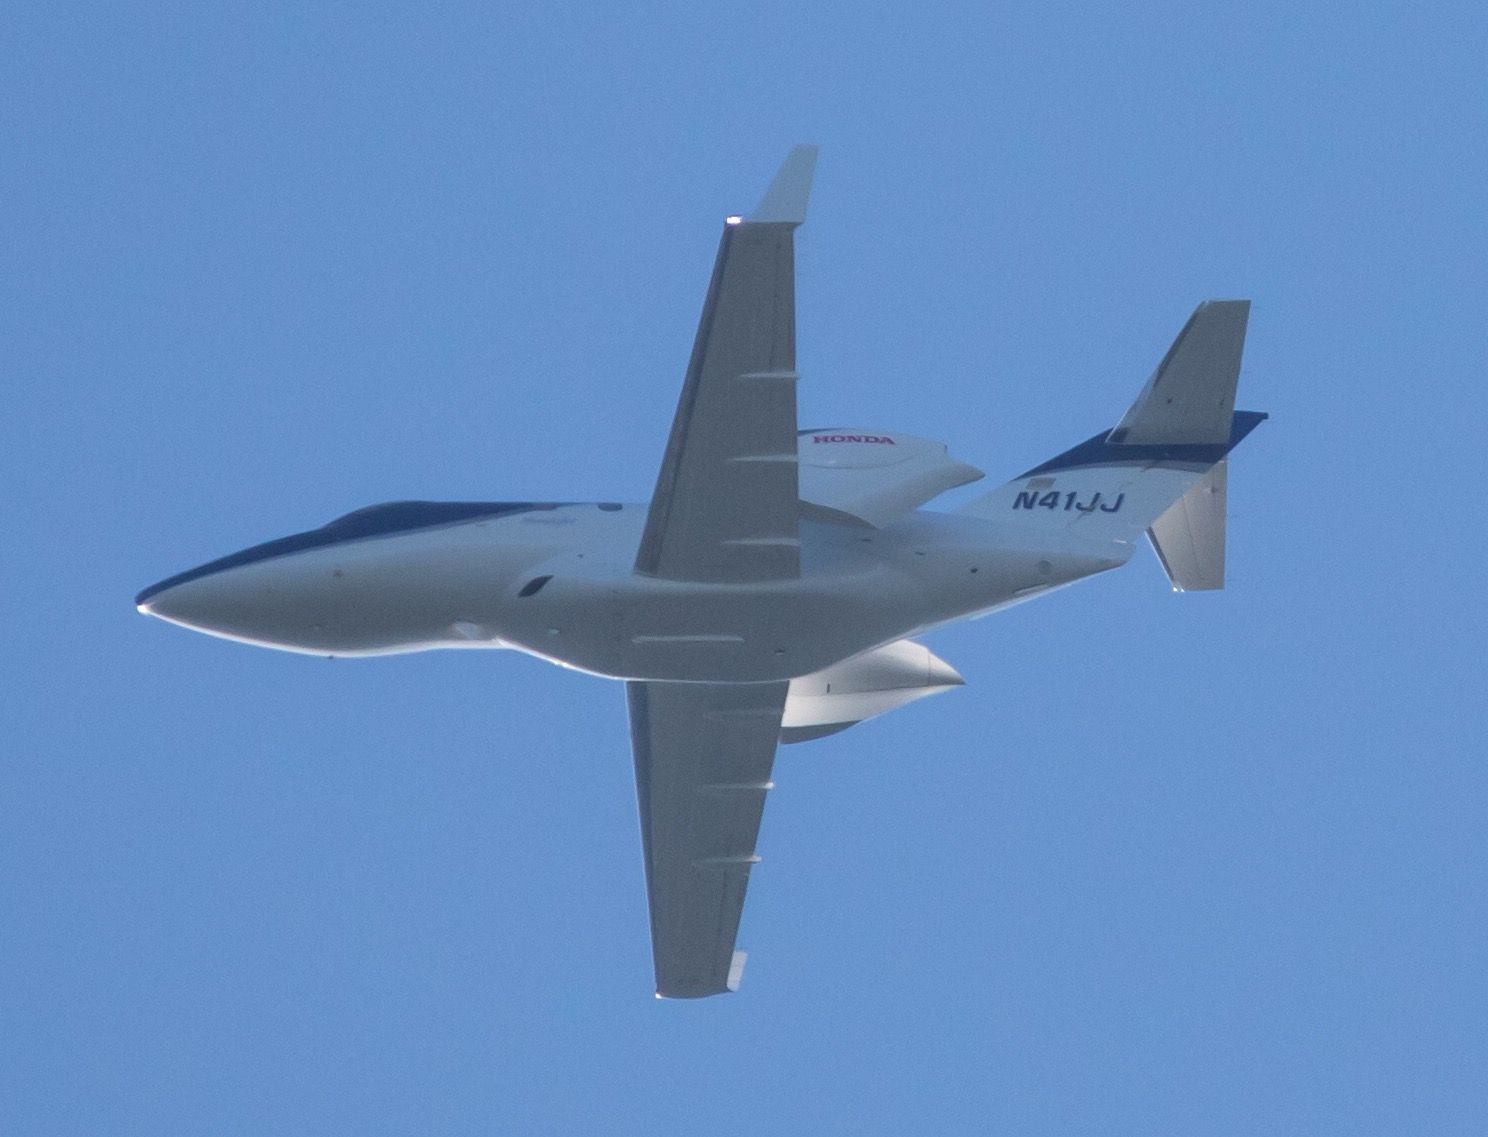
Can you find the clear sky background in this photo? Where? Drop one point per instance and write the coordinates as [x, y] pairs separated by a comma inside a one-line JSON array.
[[1207, 864]]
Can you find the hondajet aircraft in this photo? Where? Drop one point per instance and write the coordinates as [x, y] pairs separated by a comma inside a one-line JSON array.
[[770, 591]]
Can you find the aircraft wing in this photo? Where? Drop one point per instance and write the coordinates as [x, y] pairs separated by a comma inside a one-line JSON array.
[[703, 753], [725, 508]]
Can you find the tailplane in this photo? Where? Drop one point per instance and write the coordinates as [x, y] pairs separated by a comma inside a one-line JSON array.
[[1162, 470]]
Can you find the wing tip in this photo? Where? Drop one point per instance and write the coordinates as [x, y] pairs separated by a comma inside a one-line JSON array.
[[669, 987]]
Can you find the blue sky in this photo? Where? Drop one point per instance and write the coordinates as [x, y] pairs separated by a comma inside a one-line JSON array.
[[1209, 864]]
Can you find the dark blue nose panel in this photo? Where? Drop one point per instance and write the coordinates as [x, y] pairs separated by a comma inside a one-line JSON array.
[[373, 521]]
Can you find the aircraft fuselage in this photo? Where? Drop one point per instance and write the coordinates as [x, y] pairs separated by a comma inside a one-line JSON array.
[[557, 582]]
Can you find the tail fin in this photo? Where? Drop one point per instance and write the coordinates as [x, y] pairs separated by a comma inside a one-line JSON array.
[[1191, 396], [1161, 470]]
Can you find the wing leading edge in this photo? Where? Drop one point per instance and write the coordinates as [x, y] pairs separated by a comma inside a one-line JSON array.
[[725, 506]]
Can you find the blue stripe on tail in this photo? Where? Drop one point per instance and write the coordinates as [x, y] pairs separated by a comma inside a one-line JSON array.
[[1099, 451]]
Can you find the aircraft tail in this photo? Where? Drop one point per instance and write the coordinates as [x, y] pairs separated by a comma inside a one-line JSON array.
[[1162, 469]]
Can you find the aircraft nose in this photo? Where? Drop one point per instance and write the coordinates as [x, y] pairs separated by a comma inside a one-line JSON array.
[[212, 603], [144, 603], [299, 603]]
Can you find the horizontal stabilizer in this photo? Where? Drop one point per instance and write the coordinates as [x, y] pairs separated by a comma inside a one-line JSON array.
[[1189, 538]]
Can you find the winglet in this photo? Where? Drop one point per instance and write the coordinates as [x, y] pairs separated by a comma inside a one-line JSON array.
[[785, 200]]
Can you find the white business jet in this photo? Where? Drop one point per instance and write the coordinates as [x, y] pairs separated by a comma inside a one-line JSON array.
[[770, 591]]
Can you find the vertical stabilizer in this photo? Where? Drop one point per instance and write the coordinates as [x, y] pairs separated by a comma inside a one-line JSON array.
[[1190, 398]]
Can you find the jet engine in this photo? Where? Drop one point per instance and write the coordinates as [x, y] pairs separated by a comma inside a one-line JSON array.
[[863, 687], [871, 477]]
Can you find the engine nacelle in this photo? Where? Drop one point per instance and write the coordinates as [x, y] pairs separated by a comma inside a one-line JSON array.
[[872, 477], [863, 687]]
